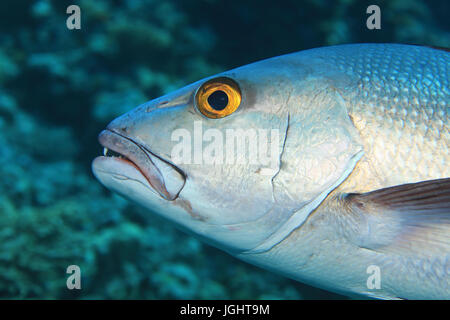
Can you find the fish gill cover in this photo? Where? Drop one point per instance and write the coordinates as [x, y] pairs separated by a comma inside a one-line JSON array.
[[59, 87]]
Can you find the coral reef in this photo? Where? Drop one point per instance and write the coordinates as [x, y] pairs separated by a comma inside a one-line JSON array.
[[60, 87]]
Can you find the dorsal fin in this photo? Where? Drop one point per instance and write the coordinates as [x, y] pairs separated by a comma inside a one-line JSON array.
[[412, 216]]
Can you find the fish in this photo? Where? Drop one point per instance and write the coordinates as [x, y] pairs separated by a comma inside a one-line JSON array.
[[329, 166]]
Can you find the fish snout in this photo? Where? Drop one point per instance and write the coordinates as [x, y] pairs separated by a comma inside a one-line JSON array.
[[165, 178]]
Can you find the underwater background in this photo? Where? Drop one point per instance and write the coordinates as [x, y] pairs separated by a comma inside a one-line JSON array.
[[60, 87]]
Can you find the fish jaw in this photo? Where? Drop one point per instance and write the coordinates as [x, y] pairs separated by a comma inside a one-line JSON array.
[[138, 164], [125, 178]]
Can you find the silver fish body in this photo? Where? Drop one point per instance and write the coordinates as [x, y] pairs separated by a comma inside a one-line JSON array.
[[360, 188]]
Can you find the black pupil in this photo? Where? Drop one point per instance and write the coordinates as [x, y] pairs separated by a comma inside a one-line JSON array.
[[218, 100]]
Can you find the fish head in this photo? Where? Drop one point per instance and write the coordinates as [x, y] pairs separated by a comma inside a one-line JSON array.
[[217, 157]]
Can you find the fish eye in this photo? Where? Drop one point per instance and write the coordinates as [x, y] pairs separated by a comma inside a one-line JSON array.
[[218, 98]]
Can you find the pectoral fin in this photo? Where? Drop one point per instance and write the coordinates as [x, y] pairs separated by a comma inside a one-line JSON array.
[[406, 218]]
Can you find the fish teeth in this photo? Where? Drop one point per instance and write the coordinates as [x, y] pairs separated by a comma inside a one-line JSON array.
[[105, 152]]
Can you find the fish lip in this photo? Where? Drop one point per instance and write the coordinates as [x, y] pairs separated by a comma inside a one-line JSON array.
[[139, 157]]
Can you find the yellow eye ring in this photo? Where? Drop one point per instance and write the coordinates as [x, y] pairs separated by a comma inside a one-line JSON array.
[[218, 98]]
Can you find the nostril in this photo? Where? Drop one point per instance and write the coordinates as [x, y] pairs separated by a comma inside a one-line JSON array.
[[121, 124]]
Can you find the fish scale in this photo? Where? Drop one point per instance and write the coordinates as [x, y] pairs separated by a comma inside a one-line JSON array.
[[409, 110]]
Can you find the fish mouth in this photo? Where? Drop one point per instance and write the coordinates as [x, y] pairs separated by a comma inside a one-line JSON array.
[[165, 178]]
